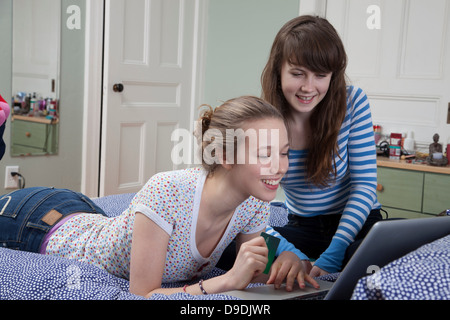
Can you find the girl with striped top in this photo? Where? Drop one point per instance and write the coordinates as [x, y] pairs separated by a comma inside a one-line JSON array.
[[330, 185]]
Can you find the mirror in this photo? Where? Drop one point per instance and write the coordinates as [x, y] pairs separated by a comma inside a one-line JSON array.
[[35, 77]]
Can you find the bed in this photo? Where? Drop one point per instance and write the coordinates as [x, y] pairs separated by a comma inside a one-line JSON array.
[[31, 276], [423, 274]]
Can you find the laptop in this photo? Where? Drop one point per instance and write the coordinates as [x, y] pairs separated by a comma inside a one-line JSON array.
[[387, 241]]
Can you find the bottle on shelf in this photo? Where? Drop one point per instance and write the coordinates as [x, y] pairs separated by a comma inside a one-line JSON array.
[[409, 143]]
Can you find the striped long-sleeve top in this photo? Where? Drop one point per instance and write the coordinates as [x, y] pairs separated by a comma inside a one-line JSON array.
[[352, 194]]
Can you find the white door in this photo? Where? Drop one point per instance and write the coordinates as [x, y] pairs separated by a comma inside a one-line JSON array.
[[36, 47], [150, 54], [399, 53]]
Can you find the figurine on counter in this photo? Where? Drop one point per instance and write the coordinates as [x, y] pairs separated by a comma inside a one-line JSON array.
[[436, 157], [435, 147]]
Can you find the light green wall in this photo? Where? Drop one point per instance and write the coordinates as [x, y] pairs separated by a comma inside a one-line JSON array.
[[240, 35], [64, 169]]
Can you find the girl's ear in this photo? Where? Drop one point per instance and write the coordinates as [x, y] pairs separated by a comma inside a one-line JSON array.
[[227, 166]]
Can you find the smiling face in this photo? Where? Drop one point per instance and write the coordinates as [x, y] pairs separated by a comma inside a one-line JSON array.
[[302, 88], [266, 159]]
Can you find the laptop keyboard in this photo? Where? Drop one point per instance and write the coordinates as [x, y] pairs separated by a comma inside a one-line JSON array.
[[312, 296]]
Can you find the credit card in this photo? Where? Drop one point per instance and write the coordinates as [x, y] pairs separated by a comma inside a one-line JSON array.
[[272, 244]]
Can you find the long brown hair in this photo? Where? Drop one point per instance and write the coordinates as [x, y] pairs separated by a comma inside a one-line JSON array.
[[312, 42]]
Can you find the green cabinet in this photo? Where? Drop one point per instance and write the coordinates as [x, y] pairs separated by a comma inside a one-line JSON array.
[[33, 137], [412, 194], [436, 195]]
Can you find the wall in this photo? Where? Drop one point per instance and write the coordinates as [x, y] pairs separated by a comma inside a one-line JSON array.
[[64, 169], [240, 35], [399, 54]]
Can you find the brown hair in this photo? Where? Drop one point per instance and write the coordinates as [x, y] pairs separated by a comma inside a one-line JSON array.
[[232, 114], [312, 42]]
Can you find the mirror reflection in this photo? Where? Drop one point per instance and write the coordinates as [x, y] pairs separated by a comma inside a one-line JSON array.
[[35, 77]]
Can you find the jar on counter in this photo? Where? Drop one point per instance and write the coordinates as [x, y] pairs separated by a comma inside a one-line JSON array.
[[377, 132]]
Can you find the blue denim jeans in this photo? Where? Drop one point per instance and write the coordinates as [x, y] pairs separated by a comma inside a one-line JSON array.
[[27, 215]]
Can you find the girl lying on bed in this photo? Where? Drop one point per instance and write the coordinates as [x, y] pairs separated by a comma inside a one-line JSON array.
[[178, 225]]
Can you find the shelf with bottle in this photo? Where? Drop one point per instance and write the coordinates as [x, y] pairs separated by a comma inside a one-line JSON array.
[[33, 106]]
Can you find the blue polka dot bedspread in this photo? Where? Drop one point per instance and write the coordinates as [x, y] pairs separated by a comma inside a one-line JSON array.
[[423, 274], [32, 276]]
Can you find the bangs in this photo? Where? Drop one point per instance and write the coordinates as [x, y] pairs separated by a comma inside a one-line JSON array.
[[323, 54]]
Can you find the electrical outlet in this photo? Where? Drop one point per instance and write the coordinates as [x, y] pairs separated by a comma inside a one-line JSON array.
[[10, 181]]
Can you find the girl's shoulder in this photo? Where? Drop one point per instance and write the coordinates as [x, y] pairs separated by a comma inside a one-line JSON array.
[[356, 99], [253, 205], [174, 180], [177, 176], [354, 94]]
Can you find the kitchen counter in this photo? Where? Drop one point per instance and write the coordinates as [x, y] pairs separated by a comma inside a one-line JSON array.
[[412, 190], [403, 164]]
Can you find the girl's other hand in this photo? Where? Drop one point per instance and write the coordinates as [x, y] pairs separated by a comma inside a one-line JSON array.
[[250, 262], [290, 268], [316, 272]]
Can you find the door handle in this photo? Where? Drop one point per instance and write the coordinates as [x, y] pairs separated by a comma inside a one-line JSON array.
[[118, 87]]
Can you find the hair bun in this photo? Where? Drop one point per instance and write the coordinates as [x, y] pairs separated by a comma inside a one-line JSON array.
[[206, 121], [206, 117], [203, 122]]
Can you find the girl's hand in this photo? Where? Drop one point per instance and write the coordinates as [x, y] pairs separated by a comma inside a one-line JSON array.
[[288, 266], [316, 272], [307, 266], [250, 262]]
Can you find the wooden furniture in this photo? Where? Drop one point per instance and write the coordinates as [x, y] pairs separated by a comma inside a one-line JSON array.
[[33, 136], [411, 190]]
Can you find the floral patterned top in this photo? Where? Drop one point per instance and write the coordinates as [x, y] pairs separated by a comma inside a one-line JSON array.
[[172, 201]]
